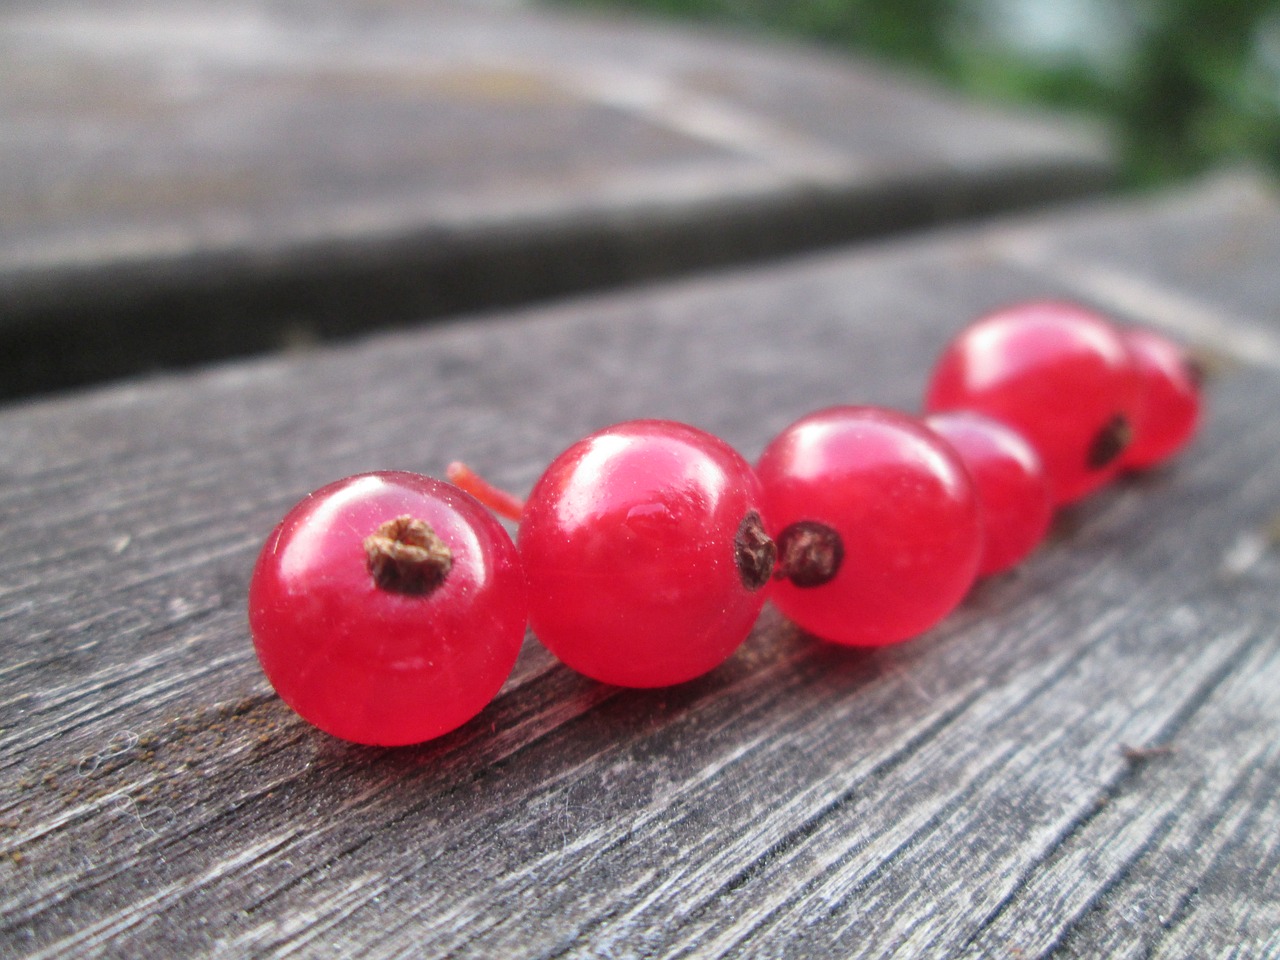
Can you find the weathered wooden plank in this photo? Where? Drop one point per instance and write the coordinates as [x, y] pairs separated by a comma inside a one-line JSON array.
[[199, 180], [1125, 885], [980, 791]]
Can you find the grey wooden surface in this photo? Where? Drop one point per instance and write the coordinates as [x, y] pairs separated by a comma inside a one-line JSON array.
[[1083, 761], [198, 179]]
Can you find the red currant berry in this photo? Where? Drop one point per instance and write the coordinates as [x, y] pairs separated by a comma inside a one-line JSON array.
[[1058, 374], [645, 553], [387, 608], [1013, 490], [1171, 399], [876, 522]]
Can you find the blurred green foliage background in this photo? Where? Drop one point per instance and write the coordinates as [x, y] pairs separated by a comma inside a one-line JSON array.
[[1186, 84]]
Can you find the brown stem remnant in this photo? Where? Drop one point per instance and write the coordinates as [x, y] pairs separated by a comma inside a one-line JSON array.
[[406, 556], [1136, 755], [809, 553], [1110, 442], [754, 552]]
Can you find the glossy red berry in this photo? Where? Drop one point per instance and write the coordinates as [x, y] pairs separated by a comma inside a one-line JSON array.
[[387, 608], [1013, 490], [645, 553], [876, 522], [1058, 374], [1171, 399]]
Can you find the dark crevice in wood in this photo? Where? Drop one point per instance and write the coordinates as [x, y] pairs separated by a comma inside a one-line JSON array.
[[116, 320], [179, 543], [793, 839], [414, 811], [1125, 776], [953, 804], [1167, 925], [186, 727], [1063, 669], [1120, 875], [104, 871], [890, 763], [762, 681], [759, 707], [1074, 828], [65, 725], [168, 844], [1183, 908], [746, 680], [1250, 776]]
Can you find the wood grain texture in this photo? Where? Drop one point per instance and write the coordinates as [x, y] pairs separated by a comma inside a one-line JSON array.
[[1082, 761], [194, 180]]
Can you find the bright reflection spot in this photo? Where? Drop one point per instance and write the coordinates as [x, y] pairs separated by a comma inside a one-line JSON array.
[[581, 493], [655, 479], [809, 458], [935, 462], [987, 361], [703, 476], [309, 539], [465, 544], [819, 447]]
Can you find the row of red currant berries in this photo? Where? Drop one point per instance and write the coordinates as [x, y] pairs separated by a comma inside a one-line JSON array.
[[389, 608]]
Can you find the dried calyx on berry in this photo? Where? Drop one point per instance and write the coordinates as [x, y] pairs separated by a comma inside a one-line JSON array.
[[1111, 441], [406, 556], [809, 553], [754, 552]]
